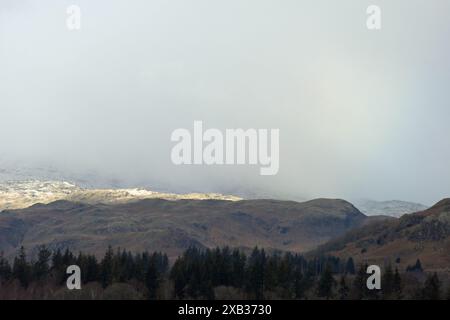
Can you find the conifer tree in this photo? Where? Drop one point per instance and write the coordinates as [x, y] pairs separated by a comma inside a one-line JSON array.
[[299, 291], [397, 285], [359, 287], [106, 268], [179, 279], [238, 268], [326, 283], [5, 269], [91, 269], [68, 258], [255, 274], [21, 268], [417, 267], [271, 275], [350, 266], [343, 288], [58, 266], [41, 267], [152, 280], [387, 282], [432, 288], [285, 274]]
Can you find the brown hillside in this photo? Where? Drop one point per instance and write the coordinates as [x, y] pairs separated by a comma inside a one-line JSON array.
[[424, 235], [172, 226]]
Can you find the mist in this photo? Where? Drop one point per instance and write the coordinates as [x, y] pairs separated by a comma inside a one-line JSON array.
[[361, 113]]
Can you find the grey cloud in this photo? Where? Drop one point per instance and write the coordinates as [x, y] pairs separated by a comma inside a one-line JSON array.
[[361, 114]]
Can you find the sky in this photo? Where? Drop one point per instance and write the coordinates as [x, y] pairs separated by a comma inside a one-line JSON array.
[[361, 113]]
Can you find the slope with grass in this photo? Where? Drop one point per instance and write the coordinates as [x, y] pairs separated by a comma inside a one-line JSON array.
[[173, 226], [424, 235]]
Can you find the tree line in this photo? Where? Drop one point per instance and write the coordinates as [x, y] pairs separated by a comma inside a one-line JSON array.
[[221, 273]]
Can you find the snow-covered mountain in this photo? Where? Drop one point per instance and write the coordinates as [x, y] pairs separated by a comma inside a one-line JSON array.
[[22, 194], [392, 208]]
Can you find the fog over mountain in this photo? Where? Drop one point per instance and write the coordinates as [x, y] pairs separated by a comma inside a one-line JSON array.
[[393, 208], [362, 114]]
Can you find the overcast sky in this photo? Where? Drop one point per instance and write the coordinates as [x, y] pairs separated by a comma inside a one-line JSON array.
[[362, 114]]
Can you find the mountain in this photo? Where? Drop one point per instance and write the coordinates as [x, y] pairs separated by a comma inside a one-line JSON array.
[[22, 194], [172, 226], [392, 208], [424, 235]]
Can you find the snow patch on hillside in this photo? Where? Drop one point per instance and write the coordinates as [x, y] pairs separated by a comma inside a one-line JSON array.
[[22, 194]]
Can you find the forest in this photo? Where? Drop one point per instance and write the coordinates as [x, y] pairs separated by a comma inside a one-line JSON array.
[[221, 273]]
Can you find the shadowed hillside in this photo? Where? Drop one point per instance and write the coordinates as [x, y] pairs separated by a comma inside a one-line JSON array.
[[173, 226], [424, 235]]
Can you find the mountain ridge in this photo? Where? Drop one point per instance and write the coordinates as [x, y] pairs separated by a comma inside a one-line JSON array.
[[172, 226], [22, 194]]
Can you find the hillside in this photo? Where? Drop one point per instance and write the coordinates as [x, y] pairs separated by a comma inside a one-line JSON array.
[[22, 194], [424, 235], [172, 226]]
